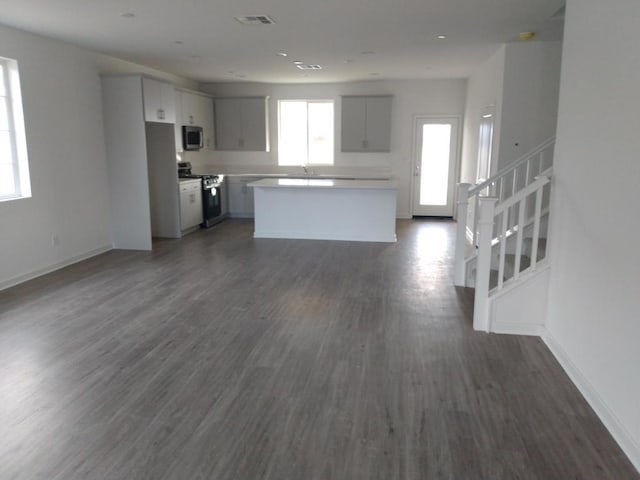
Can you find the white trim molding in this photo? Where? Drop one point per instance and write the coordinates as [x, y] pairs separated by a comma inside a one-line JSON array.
[[611, 422], [52, 268]]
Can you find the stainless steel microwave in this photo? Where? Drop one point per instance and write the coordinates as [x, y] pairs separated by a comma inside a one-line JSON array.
[[192, 138]]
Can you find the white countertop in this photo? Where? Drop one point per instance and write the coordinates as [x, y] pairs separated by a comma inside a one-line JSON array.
[[322, 183]]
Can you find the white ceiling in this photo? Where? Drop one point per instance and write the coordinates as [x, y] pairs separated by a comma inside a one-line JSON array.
[[200, 39]]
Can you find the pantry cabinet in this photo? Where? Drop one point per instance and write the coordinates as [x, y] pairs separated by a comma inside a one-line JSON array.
[[366, 123], [159, 101], [241, 124]]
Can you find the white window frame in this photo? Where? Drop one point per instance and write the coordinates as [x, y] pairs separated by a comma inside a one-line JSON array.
[[17, 135], [333, 126]]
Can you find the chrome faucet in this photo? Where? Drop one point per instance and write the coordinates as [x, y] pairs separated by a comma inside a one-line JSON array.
[[307, 172]]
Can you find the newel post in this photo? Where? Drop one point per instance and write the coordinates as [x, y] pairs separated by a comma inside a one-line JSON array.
[[483, 263], [461, 233]]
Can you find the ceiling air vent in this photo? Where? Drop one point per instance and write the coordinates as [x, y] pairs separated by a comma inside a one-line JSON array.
[[304, 66], [255, 20]]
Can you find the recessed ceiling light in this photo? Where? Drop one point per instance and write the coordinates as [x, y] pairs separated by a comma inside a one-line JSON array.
[[281, 54], [527, 35], [298, 62], [441, 37], [127, 15]]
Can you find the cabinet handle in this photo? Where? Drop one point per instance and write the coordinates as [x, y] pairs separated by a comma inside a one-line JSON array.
[[192, 198], [365, 144], [191, 119]]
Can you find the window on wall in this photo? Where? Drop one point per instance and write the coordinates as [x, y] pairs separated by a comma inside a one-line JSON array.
[[14, 169], [305, 132]]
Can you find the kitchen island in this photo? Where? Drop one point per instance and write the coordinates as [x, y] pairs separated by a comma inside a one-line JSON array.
[[325, 209]]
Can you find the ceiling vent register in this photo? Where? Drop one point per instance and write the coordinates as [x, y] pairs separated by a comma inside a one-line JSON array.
[[255, 20], [305, 66]]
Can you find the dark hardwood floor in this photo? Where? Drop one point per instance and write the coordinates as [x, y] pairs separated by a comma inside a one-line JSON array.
[[224, 357]]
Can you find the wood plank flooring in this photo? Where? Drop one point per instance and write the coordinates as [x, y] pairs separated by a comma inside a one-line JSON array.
[[224, 357]]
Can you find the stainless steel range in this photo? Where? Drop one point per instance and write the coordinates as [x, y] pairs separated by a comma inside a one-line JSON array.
[[213, 192]]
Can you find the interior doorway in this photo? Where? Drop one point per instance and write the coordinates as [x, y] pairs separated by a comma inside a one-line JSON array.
[[434, 166]]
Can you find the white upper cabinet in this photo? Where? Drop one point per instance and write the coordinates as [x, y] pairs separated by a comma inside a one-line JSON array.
[[241, 124], [366, 123], [159, 101], [194, 109]]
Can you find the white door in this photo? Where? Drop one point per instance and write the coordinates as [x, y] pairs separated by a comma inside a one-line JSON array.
[[434, 166]]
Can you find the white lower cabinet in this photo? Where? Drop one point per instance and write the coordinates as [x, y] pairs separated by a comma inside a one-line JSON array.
[[190, 204], [240, 196]]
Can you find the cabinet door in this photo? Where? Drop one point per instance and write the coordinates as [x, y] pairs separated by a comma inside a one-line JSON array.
[[152, 94], [168, 102], [190, 206], [353, 124], [178, 124], [227, 124], [378, 124], [254, 124], [190, 109], [240, 197], [206, 107], [202, 116]]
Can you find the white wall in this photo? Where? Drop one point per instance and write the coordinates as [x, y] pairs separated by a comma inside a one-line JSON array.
[[484, 89], [67, 162], [410, 98], [530, 97], [63, 120], [521, 81], [595, 278]]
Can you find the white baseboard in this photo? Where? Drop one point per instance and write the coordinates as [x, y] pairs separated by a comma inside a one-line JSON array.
[[51, 268], [620, 434], [305, 235], [514, 328]]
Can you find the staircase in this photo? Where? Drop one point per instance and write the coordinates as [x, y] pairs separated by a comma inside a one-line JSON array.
[[501, 244]]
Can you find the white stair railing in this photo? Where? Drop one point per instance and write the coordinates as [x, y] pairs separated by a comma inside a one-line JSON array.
[[491, 214], [501, 186]]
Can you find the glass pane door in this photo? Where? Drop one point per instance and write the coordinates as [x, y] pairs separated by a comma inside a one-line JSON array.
[[436, 152]]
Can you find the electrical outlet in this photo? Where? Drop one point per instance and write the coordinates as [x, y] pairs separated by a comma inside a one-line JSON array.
[[55, 240]]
